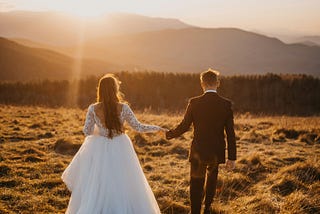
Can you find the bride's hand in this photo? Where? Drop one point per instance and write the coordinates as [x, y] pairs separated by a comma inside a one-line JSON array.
[[163, 129]]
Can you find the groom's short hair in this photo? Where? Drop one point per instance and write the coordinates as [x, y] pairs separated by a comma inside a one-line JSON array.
[[209, 77]]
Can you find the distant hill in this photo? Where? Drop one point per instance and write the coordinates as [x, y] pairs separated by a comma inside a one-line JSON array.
[[309, 43], [18, 62], [56, 28], [309, 40], [293, 39], [232, 51]]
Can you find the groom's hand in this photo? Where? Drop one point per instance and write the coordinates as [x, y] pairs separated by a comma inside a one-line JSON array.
[[168, 135], [230, 165]]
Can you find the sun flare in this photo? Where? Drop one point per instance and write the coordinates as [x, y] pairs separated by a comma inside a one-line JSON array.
[[86, 9], [85, 12]]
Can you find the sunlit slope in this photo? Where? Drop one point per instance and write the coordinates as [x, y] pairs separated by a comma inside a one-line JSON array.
[[18, 62]]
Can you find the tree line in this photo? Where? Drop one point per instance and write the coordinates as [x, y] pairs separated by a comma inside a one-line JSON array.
[[270, 94]]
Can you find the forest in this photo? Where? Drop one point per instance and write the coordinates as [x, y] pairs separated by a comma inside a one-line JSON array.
[[269, 94]]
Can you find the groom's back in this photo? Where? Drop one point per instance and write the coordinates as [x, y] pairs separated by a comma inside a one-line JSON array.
[[209, 112], [211, 115]]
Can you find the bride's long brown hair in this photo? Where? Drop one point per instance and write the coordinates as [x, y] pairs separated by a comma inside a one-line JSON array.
[[109, 95]]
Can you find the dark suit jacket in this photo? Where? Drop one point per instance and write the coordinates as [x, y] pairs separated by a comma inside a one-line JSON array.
[[210, 115]]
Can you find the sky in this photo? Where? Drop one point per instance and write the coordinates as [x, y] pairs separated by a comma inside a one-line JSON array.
[[285, 17]]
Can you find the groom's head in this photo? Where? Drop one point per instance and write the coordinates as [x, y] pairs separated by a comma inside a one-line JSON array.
[[209, 79]]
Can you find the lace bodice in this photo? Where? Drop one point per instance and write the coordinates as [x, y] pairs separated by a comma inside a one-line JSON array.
[[94, 118]]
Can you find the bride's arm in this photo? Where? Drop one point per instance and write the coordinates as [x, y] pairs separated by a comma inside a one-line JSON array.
[[134, 122], [88, 127]]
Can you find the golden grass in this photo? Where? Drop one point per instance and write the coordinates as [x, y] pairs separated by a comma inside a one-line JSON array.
[[277, 167]]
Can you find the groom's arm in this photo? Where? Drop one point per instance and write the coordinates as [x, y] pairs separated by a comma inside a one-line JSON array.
[[183, 126], [231, 138]]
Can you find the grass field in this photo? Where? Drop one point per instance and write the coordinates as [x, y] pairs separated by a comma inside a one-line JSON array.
[[278, 166]]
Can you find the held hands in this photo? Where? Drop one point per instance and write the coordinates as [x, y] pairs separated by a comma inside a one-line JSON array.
[[230, 165], [163, 129], [162, 132]]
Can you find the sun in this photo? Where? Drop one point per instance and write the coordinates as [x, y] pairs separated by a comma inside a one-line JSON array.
[[87, 9], [84, 12]]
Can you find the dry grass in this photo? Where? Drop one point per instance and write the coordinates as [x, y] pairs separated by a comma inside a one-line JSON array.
[[277, 169]]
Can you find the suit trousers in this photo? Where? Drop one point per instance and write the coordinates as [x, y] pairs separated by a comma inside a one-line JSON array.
[[203, 183]]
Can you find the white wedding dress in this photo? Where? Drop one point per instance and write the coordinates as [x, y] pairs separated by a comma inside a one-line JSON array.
[[105, 176]]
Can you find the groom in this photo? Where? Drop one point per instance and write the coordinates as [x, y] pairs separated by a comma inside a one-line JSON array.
[[211, 116]]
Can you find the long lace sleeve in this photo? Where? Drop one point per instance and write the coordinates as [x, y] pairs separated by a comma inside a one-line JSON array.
[[135, 124], [89, 123]]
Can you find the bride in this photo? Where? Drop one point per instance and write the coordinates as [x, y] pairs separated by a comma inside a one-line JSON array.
[[105, 175]]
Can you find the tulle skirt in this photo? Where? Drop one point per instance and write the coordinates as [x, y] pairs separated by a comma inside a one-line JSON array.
[[105, 177]]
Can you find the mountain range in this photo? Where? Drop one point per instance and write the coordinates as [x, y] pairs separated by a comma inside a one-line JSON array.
[[232, 51], [47, 45]]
